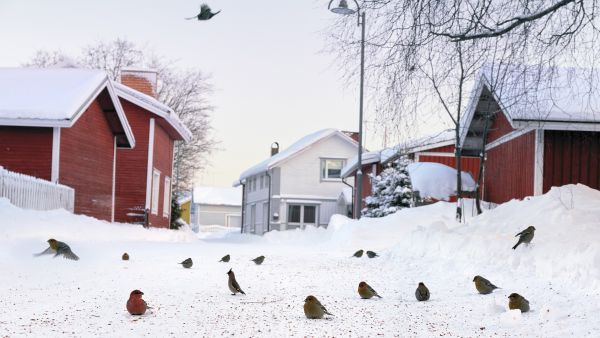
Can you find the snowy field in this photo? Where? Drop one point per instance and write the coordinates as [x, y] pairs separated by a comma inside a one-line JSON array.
[[559, 273]]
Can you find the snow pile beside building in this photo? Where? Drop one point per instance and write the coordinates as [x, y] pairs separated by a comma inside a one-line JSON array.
[[437, 180]]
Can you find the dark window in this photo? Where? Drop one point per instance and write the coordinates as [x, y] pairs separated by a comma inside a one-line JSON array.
[[294, 214], [309, 213]]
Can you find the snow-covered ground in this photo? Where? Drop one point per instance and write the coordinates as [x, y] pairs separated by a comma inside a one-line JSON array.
[[559, 273]]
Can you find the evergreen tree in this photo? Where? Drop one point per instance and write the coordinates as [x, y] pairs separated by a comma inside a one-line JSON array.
[[392, 191], [175, 213]]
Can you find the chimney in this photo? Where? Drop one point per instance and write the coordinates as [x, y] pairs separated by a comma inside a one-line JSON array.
[[142, 80], [352, 134], [274, 148]]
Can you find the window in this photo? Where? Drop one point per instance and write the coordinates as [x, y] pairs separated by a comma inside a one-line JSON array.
[[167, 198], [262, 181], [310, 213], [155, 191], [331, 169], [294, 214]]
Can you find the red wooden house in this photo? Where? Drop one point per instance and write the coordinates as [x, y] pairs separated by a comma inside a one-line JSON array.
[[64, 125], [143, 180]]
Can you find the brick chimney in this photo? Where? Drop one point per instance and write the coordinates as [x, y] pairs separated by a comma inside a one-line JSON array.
[[351, 134], [274, 148], [142, 80]]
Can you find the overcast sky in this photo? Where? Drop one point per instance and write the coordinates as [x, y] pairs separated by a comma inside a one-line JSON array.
[[272, 81]]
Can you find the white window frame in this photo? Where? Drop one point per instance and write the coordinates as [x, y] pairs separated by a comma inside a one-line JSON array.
[[167, 197], [155, 191], [302, 224], [323, 172]]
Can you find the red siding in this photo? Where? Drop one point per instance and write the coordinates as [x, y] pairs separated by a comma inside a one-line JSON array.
[[499, 127], [163, 159], [132, 167], [444, 149], [509, 170], [86, 162], [27, 150], [571, 157], [468, 164]]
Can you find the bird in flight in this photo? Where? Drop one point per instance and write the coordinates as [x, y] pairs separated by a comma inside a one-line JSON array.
[[205, 13]]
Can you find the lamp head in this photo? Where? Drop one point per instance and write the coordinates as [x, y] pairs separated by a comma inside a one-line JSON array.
[[342, 8]]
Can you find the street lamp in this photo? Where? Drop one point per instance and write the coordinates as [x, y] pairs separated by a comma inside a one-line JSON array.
[[343, 9]]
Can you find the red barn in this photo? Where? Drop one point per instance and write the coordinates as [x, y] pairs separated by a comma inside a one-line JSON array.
[[144, 174], [536, 139], [64, 125]]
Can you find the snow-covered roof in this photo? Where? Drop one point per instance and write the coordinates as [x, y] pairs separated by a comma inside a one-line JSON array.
[[437, 180], [53, 97], [153, 105], [368, 157], [217, 196], [296, 148]]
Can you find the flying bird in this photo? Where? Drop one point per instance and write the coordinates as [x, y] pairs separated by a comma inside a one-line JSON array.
[[525, 236], [58, 248], [135, 304], [233, 285], [205, 13], [313, 309]]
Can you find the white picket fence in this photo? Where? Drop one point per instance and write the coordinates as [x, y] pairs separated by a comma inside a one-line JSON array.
[[29, 192]]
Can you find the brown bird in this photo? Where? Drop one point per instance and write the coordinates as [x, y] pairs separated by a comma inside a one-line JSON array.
[[125, 257], [225, 258], [135, 304], [59, 248], [358, 254], [516, 301], [483, 285], [422, 292], [313, 309], [187, 263], [525, 236], [205, 13], [258, 260], [372, 254], [366, 291], [233, 285]]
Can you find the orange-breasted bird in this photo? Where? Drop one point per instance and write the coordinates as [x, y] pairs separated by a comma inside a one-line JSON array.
[[366, 291], [135, 304]]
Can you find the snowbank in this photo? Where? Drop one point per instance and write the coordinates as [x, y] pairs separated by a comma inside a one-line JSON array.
[[437, 180]]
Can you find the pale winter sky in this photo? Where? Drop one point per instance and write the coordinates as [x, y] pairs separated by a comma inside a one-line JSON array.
[[272, 80]]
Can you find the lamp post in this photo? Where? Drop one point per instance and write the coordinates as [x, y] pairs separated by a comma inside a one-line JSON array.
[[343, 9]]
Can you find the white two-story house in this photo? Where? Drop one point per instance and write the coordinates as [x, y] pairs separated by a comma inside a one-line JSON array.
[[298, 186]]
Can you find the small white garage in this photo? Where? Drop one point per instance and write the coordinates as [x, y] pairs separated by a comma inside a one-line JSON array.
[[217, 206]]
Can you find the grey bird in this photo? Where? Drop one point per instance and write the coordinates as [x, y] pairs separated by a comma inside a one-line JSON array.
[[358, 254], [372, 254], [59, 248], [187, 263], [313, 309], [205, 13], [225, 258], [258, 260], [525, 236], [483, 285], [422, 292], [233, 285], [516, 301]]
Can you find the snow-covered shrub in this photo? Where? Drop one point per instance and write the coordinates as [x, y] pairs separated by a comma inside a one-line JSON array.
[[392, 191]]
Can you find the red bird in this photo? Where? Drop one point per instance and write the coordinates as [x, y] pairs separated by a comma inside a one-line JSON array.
[[136, 305]]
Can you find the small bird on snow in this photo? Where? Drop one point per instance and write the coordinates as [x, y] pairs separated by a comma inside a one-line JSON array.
[[187, 263], [366, 291], [59, 248], [422, 292], [516, 301], [125, 257], [225, 258], [233, 285], [205, 13], [372, 254], [525, 236], [358, 254], [135, 304], [483, 285], [258, 260], [313, 309]]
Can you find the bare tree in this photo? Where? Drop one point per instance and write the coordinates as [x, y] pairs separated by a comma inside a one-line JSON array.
[[187, 92], [424, 56]]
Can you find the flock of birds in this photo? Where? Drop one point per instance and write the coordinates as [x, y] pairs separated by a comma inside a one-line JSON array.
[[313, 309]]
